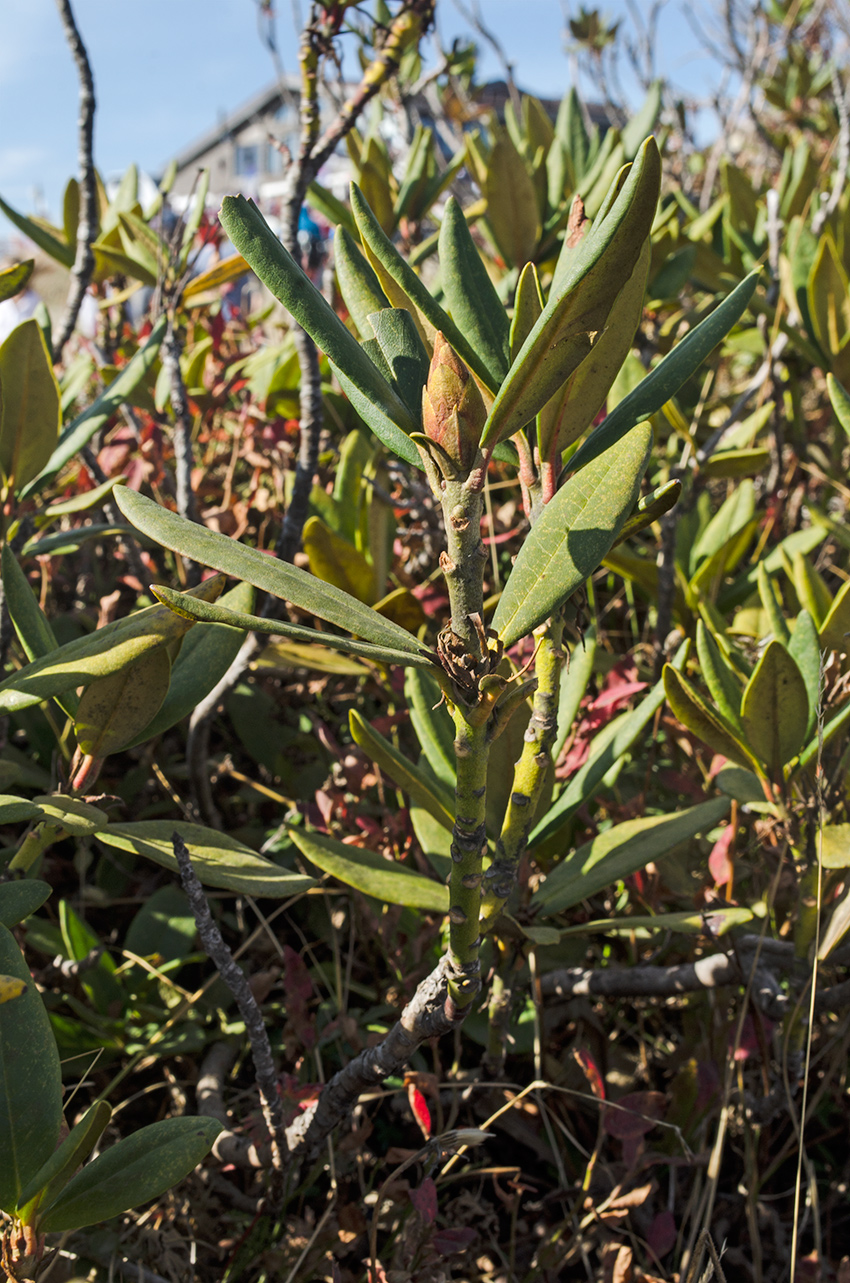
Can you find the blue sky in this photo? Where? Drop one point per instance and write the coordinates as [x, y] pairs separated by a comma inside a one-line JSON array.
[[165, 70]]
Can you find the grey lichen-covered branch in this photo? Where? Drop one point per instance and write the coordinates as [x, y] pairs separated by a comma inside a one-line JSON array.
[[83, 268]]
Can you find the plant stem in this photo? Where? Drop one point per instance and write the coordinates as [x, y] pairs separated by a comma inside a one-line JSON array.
[[469, 842], [529, 776], [463, 561]]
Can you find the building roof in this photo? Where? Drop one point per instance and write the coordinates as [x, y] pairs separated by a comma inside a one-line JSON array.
[[269, 99]]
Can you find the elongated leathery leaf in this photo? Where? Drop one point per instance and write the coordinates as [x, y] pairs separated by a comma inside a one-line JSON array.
[[54, 1175], [405, 355], [30, 1080], [720, 678], [135, 1170], [31, 625], [105, 651], [572, 410], [359, 286], [775, 708], [115, 709], [14, 279], [804, 649], [19, 899], [370, 873], [621, 851], [277, 269], [29, 411], [578, 310], [585, 782], [40, 236], [571, 536], [218, 859], [704, 721], [402, 772], [668, 376], [470, 294], [217, 614], [432, 724], [80, 431], [840, 401], [263, 571], [408, 286]]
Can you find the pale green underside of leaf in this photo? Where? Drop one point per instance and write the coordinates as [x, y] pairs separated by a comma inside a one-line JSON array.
[[218, 860], [370, 873], [621, 851]]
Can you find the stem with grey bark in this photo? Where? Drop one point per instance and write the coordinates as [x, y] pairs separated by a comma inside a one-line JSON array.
[[81, 272]]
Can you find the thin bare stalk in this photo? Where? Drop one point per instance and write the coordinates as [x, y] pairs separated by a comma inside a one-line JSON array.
[[81, 272], [182, 436], [235, 979]]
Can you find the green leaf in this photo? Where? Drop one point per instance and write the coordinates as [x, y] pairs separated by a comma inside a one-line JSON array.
[[31, 625], [574, 408], [205, 656], [135, 1170], [834, 629], [775, 708], [719, 678], [405, 355], [512, 211], [840, 402], [19, 899], [570, 537], [621, 851], [702, 720], [40, 236], [528, 305], [399, 279], [577, 311], [402, 772], [16, 810], [218, 859], [370, 873], [772, 605], [643, 121], [14, 279], [833, 845], [334, 210], [586, 780], [804, 649], [114, 710], [362, 382], [650, 507], [811, 589], [710, 921], [80, 431], [471, 296], [263, 571], [31, 414], [436, 842], [432, 724], [745, 585], [334, 560], [359, 286], [75, 816], [30, 1080], [668, 376], [217, 613], [54, 1175], [574, 683], [105, 651]]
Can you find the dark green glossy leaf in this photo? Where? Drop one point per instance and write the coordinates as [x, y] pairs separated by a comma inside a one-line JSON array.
[[359, 286], [30, 1080], [571, 536], [621, 851], [471, 296], [370, 873], [21, 898], [52, 1178], [405, 355], [135, 1170], [669, 375]]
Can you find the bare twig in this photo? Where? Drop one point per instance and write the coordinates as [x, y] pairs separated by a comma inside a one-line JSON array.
[[182, 436], [81, 272], [209, 1094], [236, 981]]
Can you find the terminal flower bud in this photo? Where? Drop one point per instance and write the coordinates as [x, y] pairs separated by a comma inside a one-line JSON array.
[[453, 412]]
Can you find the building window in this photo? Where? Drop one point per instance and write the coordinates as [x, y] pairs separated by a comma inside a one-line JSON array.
[[273, 160], [247, 161]]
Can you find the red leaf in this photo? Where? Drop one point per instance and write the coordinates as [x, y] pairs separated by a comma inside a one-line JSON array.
[[591, 1073], [424, 1199], [448, 1241], [662, 1234], [420, 1109], [719, 863], [636, 1115]]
